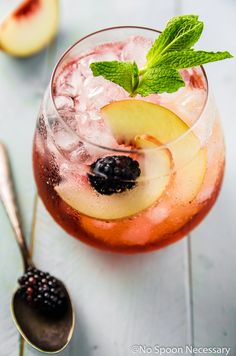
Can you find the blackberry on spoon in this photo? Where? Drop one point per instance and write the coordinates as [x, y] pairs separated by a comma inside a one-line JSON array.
[[42, 291]]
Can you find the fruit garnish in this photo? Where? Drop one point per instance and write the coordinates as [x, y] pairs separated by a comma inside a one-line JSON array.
[[128, 120], [85, 200], [43, 292], [114, 174], [171, 52], [145, 141], [178, 165], [30, 27], [148, 188]]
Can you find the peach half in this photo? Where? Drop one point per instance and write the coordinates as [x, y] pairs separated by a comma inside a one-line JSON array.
[[30, 27]]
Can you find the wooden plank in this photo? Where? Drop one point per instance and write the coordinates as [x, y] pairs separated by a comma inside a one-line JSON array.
[[19, 102], [119, 300], [10, 264], [213, 243]]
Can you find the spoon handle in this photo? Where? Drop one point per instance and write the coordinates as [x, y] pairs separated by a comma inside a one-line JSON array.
[[7, 195]]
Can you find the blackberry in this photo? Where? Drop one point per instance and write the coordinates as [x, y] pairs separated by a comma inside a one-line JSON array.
[[113, 174], [43, 292]]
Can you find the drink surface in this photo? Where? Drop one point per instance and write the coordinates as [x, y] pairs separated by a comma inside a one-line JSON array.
[[166, 202]]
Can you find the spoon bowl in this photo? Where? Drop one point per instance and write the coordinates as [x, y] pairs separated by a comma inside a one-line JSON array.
[[46, 334]]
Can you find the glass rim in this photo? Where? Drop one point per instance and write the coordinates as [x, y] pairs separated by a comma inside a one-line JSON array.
[[135, 150]]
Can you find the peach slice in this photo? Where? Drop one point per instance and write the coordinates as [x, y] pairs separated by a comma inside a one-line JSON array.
[[150, 186], [132, 120], [30, 27]]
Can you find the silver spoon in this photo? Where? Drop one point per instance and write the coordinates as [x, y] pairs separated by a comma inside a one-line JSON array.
[[44, 331]]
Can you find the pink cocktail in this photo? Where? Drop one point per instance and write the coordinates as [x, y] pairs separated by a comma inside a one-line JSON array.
[[167, 150]]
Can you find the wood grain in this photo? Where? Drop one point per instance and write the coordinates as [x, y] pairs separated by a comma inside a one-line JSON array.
[[214, 243], [21, 90]]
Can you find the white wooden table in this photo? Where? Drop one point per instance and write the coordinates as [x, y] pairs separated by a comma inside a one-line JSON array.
[[184, 294]]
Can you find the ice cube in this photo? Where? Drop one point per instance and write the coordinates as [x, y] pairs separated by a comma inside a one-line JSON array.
[[81, 103], [186, 103], [64, 102], [99, 92], [136, 50], [65, 140], [81, 155], [84, 66], [95, 92], [69, 82], [159, 212]]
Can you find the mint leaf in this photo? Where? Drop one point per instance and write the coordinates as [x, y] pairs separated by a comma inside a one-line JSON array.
[[190, 58], [124, 74], [181, 32], [159, 80], [171, 52]]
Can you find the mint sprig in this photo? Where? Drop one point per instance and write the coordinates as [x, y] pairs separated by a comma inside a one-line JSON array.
[[164, 78], [189, 58], [125, 74], [181, 32], [171, 52]]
